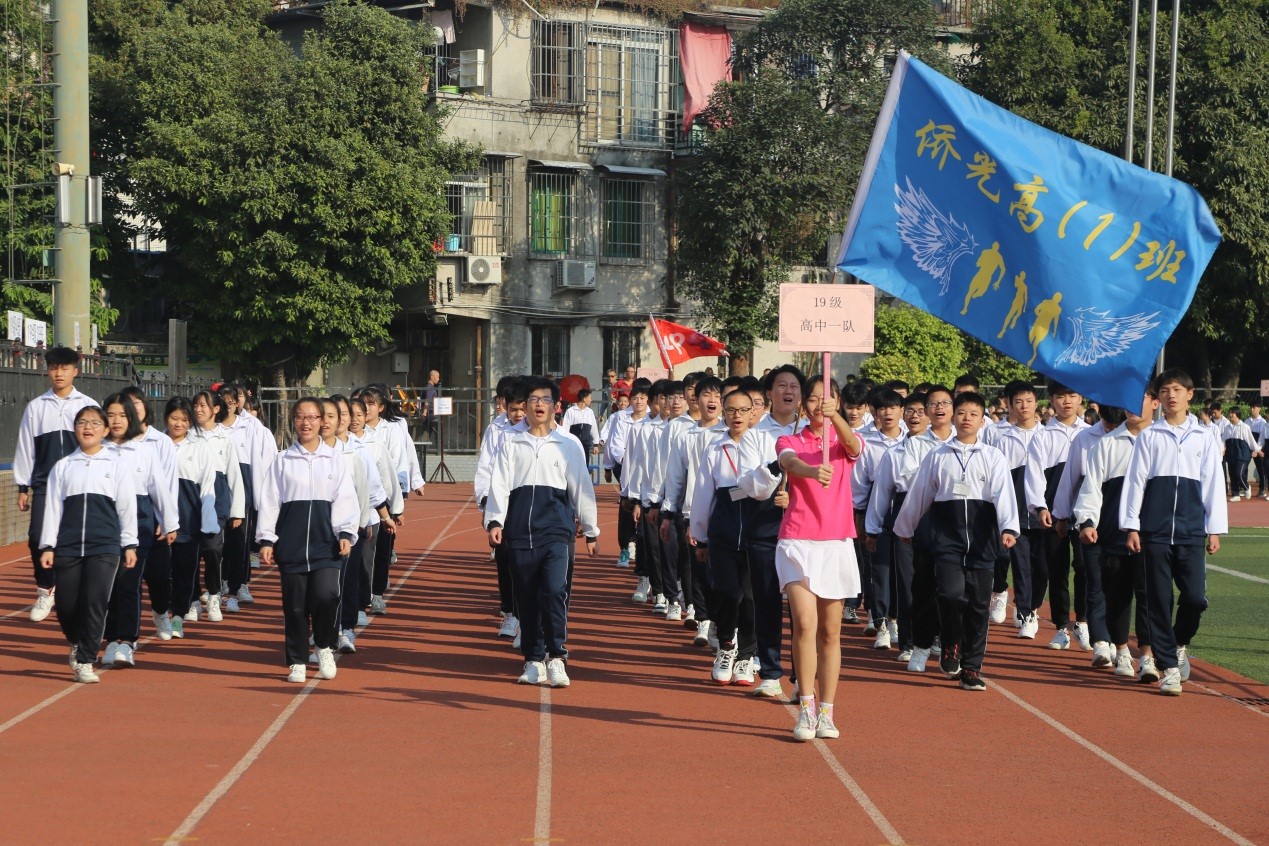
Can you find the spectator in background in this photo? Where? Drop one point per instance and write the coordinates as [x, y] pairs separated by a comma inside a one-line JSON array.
[[431, 391], [579, 420], [624, 384]]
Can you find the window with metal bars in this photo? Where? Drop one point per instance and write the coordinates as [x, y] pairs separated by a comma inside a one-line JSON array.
[[556, 214], [632, 86], [622, 347], [480, 210], [550, 353], [556, 60], [628, 220]]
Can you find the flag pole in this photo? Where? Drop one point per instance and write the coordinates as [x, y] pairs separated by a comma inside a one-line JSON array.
[[827, 369], [656, 333]]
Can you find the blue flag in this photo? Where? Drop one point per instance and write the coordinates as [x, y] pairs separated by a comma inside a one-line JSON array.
[[1063, 257]]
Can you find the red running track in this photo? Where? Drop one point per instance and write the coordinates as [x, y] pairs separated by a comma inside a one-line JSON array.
[[424, 738]]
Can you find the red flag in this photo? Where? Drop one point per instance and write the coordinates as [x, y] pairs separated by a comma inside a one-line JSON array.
[[679, 343]]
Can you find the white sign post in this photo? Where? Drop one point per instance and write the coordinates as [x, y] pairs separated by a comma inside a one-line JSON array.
[[16, 325], [442, 406]]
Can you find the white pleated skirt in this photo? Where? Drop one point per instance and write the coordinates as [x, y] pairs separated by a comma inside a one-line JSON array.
[[827, 568]]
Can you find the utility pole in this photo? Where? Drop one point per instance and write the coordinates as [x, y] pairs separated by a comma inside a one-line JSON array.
[[70, 140]]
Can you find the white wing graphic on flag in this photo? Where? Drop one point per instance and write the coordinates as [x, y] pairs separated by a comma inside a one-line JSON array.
[[936, 240], [1098, 335]]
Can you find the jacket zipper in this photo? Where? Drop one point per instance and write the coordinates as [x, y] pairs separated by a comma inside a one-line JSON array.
[[83, 528], [308, 530]]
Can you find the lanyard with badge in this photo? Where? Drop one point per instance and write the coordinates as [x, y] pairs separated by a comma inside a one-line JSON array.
[[962, 488], [736, 492]]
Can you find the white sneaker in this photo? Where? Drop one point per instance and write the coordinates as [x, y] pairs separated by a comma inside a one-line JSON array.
[[347, 643], [510, 625], [177, 625], [162, 625], [689, 616], [362, 619], [1123, 664], [244, 595], [870, 628], [702, 633], [112, 652], [883, 638], [43, 604], [312, 657], [1061, 640], [916, 664], [231, 604], [556, 675], [806, 724], [191, 616], [84, 674], [756, 664], [1183, 662], [326, 663], [824, 727], [71, 660], [905, 656], [742, 673], [712, 639], [892, 626], [1102, 655], [515, 641], [1149, 671], [377, 606], [1017, 618], [723, 665], [534, 673], [124, 657], [769, 689], [1235, 499], [213, 609], [632, 549], [623, 560], [224, 588], [674, 613], [1081, 637], [659, 604], [299, 673], [1169, 685], [641, 590], [1030, 627], [999, 605], [202, 597]]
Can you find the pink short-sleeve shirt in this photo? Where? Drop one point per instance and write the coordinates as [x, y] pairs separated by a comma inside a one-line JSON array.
[[816, 512]]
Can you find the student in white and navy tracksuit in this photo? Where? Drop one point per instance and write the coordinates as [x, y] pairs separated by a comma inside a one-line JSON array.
[[45, 436], [211, 411], [154, 481], [392, 430], [394, 504], [539, 493], [90, 519], [512, 398], [1174, 508], [198, 518], [255, 448], [157, 561], [309, 516], [965, 486]]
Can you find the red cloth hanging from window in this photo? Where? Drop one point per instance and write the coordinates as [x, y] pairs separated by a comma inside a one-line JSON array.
[[704, 54]]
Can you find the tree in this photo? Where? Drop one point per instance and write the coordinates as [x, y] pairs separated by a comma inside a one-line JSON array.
[[296, 191], [916, 347], [1077, 85], [782, 151]]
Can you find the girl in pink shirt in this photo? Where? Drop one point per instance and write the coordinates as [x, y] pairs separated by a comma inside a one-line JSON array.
[[815, 558]]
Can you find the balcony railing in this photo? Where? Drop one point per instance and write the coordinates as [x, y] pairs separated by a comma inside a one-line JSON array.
[[963, 14]]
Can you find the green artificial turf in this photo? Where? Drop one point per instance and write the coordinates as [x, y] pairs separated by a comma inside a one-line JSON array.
[[1235, 628]]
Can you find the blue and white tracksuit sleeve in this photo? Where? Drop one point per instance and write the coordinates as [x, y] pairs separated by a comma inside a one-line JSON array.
[[24, 454], [918, 501], [756, 452], [883, 489], [703, 498], [485, 462]]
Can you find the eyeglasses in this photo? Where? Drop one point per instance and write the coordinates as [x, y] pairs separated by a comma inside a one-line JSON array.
[[311, 418], [90, 424], [939, 404], [541, 401], [738, 412]]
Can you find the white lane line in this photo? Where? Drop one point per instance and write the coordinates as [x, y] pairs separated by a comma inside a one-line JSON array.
[[1152, 786], [257, 749], [874, 813], [542, 815], [1234, 699], [35, 709], [25, 610], [1248, 576], [15, 560]]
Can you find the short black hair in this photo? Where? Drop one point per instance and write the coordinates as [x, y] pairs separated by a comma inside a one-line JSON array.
[[60, 355], [1214, 405], [133, 393], [896, 385], [914, 399], [969, 398], [641, 387], [792, 369], [966, 380], [887, 398], [129, 410], [731, 382], [583, 393], [658, 389], [1173, 375], [673, 387], [709, 383], [931, 390], [1113, 414], [690, 380], [540, 383], [1019, 386], [856, 394], [1057, 389], [181, 404]]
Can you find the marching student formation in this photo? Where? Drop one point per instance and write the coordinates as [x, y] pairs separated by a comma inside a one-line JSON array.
[[909, 512]]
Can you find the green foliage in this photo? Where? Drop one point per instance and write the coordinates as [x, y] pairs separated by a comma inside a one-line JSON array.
[[918, 347], [992, 367], [782, 149]]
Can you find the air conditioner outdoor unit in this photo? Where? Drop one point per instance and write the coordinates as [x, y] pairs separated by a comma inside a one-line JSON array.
[[575, 275], [471, 68], [484, 270]]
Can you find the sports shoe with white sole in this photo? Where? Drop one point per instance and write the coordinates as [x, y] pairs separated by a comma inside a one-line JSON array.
[[162, 625], [883, 638], [1030, 627], [1102, 654], [244, 595], [623, 560], [937, 648], [689, 617], [1169, 685], [124, 657], [72, 660], [1061, 640], [1123, 665], [112, 652], [632, 550], [43, 604], [177, 624], [312, 657], [870, 628], [971, 680], [660, 605], [299, 674], [231, 604], [556, 674], [825, 729], [849, 615], [1149, 672], [326, 667], [999, 605], [723, 665], [515, 641], [703, 628], [534, 673], [1017, 618], [1183, 662], [1081, 637], [916, 664], [202, 597], [510, 625], [905, 655], [224, 588], [347, 643], [641, 590], [804, 730], [84, 674], [892, 626], [712, 640], [769, 689], [213, 609], [362, 619], [377, 606], [674, 614], [191, 616], [742, 673]]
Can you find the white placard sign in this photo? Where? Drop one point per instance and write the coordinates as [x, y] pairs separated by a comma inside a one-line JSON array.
[[1264, 387], [35, 332], [16, 325], [442, 406], [79, 338], [94, 337]]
